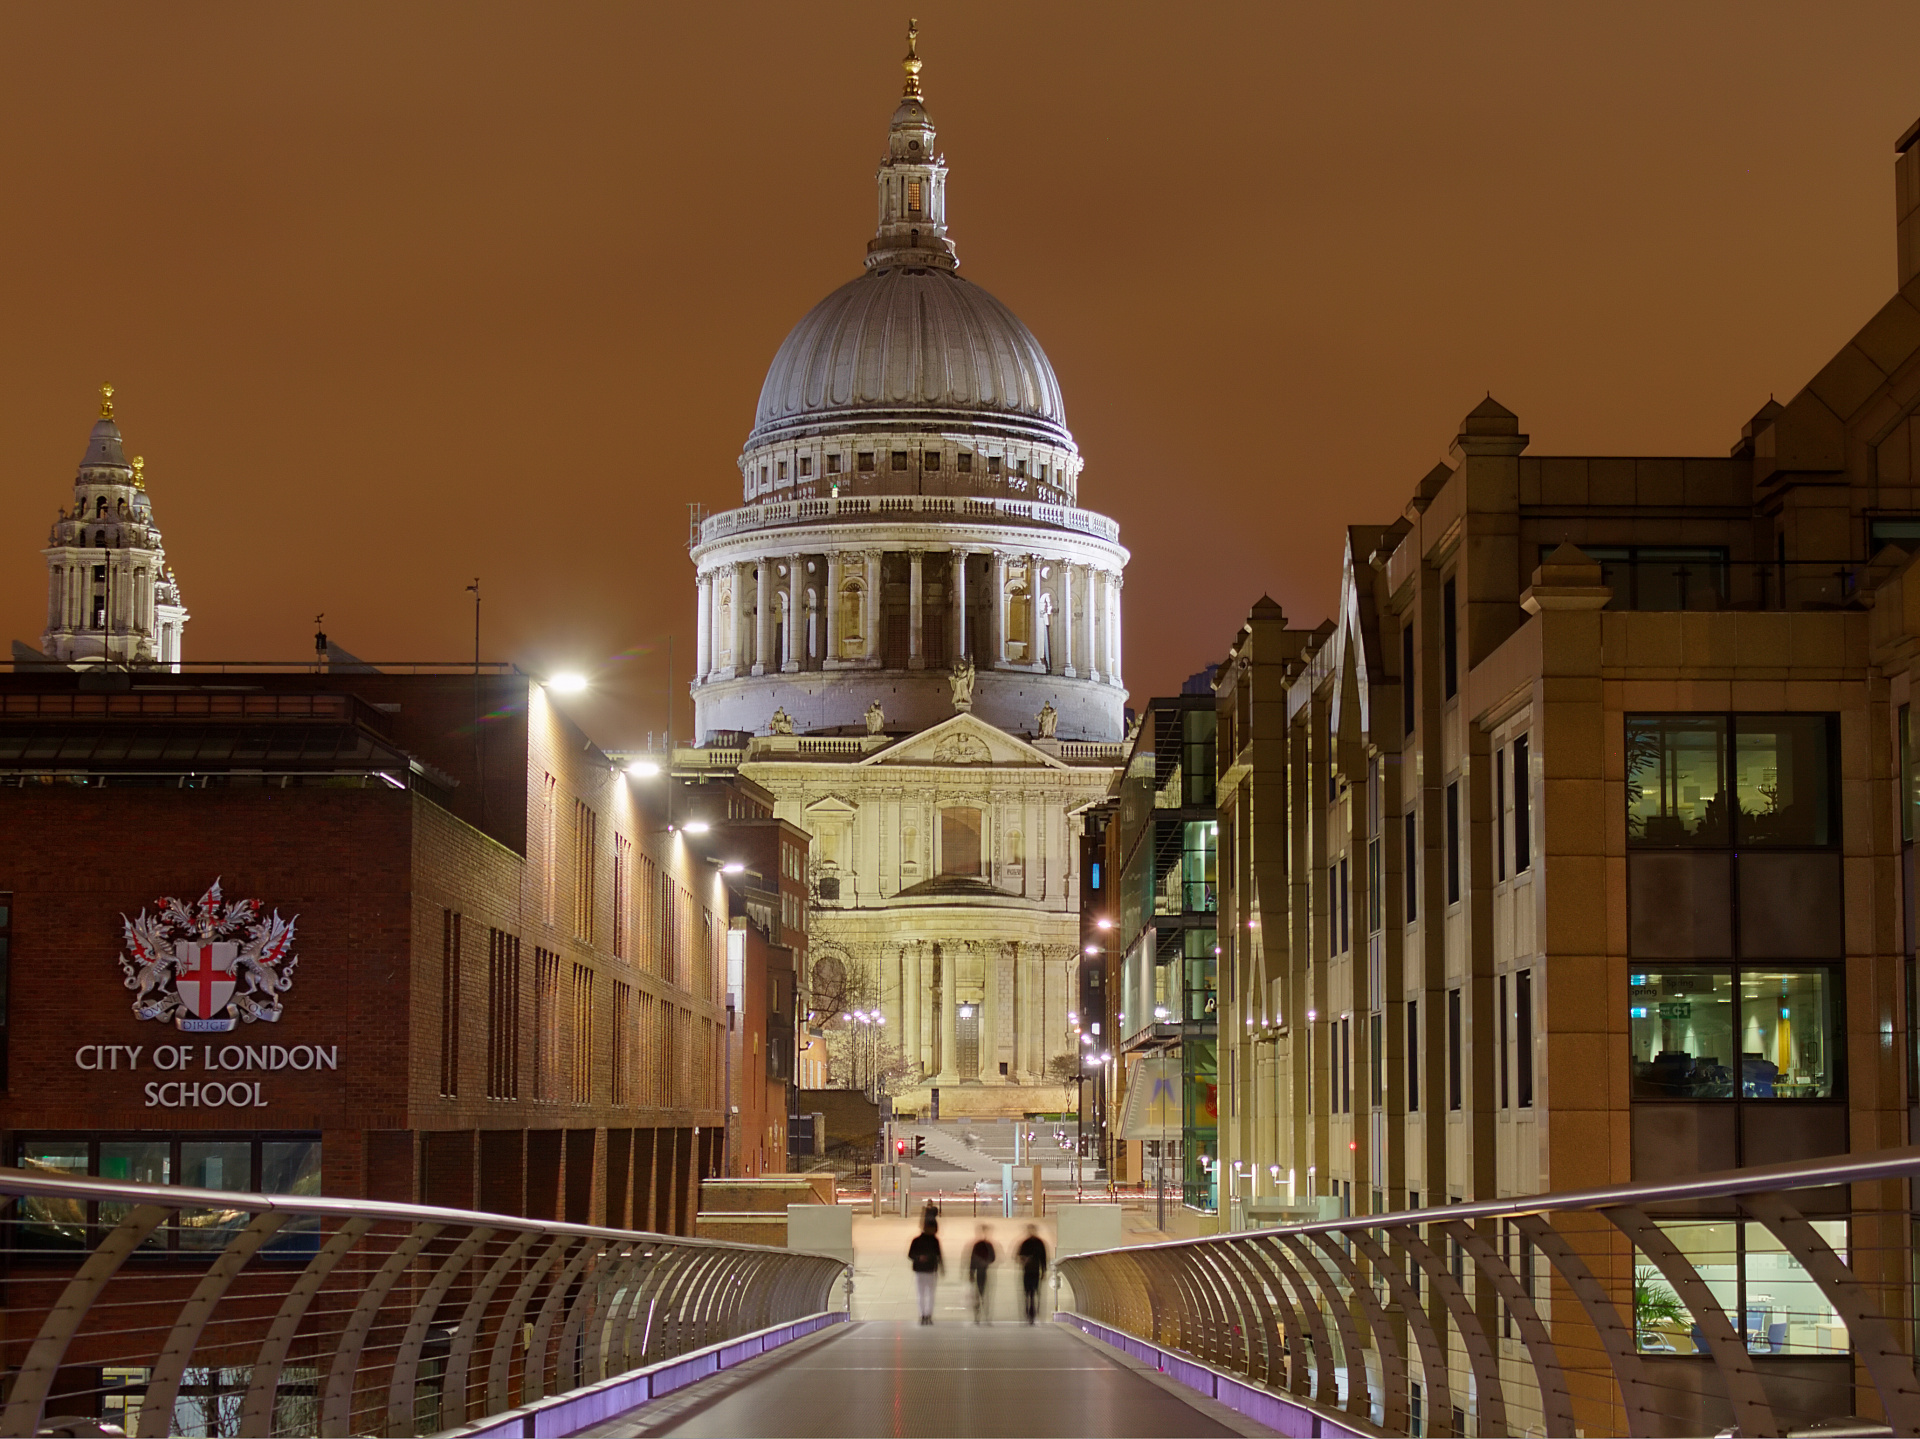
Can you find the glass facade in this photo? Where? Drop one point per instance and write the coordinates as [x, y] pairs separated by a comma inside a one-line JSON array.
[[1764, 1291], [1762, 781], [1717, 1032], [244, 1163]]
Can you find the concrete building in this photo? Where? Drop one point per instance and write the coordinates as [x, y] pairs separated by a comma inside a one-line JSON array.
[[1572, 851], [910, 634]]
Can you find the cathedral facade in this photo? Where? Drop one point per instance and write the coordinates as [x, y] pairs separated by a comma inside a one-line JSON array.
[[910, 633]]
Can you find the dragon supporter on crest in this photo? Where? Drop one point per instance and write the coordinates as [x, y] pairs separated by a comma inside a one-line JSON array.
[[208, 966]]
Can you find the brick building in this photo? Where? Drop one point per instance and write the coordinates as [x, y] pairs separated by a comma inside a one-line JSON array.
[[503, 989]]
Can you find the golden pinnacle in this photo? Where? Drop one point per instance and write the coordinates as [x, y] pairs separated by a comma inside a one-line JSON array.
[[106, 402]]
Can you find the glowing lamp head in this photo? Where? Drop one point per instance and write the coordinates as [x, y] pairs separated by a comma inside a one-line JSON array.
[[643, 769], [567, 683], [696, 826], [733, 867]]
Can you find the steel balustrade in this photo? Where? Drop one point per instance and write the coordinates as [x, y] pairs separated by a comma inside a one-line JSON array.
[[168, 1309], [1434, 1321]]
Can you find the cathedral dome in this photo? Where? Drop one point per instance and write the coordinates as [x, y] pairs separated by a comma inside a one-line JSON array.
[[908, 342]]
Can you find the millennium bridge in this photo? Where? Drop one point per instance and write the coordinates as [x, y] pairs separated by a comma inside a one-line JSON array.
[[1643, 1310]]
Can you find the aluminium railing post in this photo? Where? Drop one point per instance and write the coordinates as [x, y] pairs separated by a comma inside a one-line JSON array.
[[1752, 1412], [1293, 1348], [406, 1363], [1556, 1400], [1873, 1340], [263, 1384], [1617, 1337], [616, 1282], [1235, 1256], [578, 1307], [466, 1334], [1393, 1363], [343, 1370], [533, 1382], [34, 1380], [1435, 1370], [1489, 1397], [1359, 1386], [500, 1362], [163, 1386], [1323, 1385]]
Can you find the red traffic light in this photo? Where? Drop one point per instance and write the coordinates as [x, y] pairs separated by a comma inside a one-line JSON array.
[[899, 1146]]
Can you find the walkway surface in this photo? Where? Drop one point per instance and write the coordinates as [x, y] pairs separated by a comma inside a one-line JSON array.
[[885, 1377], [885, 1373]]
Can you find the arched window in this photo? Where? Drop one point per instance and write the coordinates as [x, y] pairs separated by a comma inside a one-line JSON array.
[[100, 508], [100, 539], [1016, 849]]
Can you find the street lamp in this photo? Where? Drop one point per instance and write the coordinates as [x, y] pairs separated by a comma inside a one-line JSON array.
[[567, 683]]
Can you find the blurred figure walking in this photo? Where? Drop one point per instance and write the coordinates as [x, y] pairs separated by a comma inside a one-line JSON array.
[[1033, 1264], [979, 1260], [928, 1265]]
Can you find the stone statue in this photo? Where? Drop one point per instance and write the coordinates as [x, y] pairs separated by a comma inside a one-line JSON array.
[[1048, 719], [876, 719], [782, 722], [962, 681]]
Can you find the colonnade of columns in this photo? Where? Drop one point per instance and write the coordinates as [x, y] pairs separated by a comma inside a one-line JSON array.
[[788, 613], [1003, 982]]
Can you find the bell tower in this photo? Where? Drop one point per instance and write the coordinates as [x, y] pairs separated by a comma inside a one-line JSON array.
[[912, 181], [111, 599]]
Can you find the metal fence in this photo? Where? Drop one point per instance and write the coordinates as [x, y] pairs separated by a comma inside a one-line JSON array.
[[1758, 1302], [164, 1309]]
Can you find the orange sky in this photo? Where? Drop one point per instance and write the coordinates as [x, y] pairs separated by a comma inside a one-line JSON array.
[[398, 295]]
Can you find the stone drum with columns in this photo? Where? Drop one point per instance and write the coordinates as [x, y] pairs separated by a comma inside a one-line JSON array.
[[910, 633]]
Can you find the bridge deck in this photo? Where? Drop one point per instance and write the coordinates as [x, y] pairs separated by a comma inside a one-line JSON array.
[[889, 1377]]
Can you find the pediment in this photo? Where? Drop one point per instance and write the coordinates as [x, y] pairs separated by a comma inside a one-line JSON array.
[[831, 804], [963, 742]]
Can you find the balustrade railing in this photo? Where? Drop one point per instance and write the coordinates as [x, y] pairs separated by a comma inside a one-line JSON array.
[[777, 513], [1757, 1302], [165, 1310]]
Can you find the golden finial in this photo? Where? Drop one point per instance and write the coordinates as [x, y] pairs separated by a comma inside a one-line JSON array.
[[139, 479], [912, 62], [106, 402]]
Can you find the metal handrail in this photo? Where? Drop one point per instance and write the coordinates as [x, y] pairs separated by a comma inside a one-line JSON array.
[[307, 1314], [1341, 1314]]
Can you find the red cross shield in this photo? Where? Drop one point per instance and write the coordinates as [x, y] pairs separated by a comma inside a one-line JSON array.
[[205, 975]]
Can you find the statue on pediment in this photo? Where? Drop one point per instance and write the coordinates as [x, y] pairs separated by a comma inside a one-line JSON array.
[[1048, 720], [962, 681], [782, 722], [876, 719]]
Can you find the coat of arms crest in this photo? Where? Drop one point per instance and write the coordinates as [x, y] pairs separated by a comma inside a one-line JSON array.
[[208, 966]]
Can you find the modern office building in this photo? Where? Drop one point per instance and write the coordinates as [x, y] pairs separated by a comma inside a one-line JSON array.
[[323, 933], [1162, 851], [1579, 855]]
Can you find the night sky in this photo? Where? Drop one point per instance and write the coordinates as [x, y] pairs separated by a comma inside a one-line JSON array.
[[395, 296]]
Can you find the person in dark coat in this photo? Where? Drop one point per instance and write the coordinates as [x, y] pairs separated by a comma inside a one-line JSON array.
[[1033, 1263], [979, 1260], [928, 1265]]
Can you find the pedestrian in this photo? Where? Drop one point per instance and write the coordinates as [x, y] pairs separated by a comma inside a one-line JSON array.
[[928, 1265], [930, 1218], [1033, 1264], [979, 1260]]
